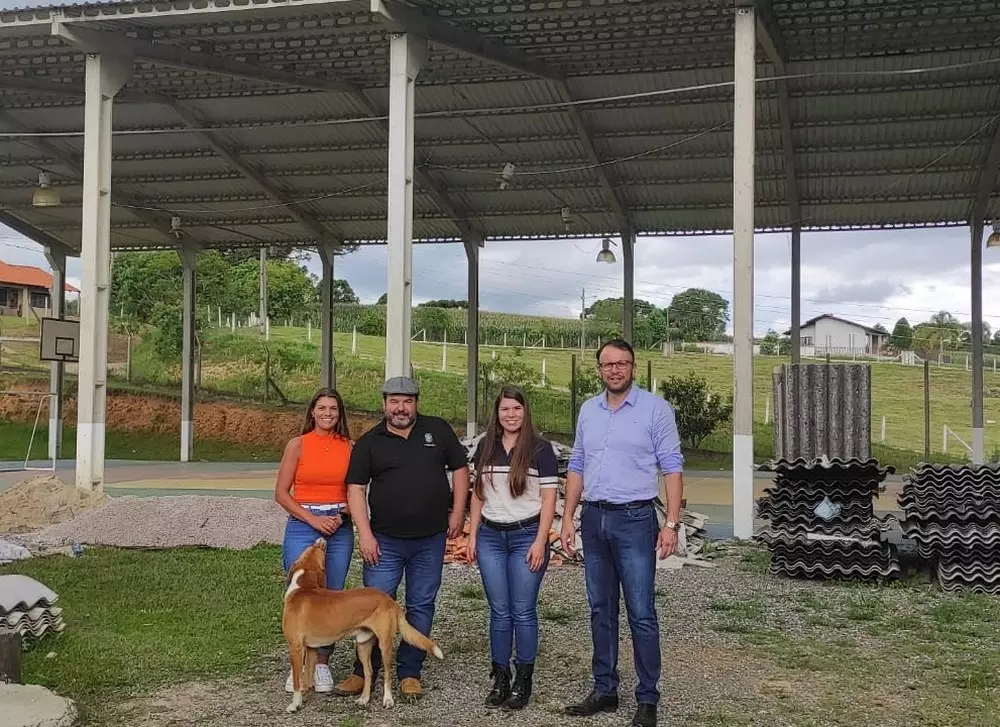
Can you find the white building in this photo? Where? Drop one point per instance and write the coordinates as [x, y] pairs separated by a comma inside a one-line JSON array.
[[828, 334]]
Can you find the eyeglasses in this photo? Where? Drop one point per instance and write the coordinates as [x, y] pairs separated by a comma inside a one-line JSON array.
[[616, 366]]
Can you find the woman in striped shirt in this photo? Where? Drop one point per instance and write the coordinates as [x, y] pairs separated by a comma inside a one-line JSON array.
[[513, 504]]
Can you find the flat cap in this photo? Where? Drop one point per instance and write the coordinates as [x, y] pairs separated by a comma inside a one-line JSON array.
[[401, 385]]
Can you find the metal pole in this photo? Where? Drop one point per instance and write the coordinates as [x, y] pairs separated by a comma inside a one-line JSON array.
[[796, 294], [104, 78], [743, 238], [57, 261], [472, 340], [406, 56], [188, 267], [628, 304], [927, 410], [327, 254], [262, 292], [572, 393], [978, 443]]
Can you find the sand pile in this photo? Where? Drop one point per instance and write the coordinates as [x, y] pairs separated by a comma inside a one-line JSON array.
[[44, 500]]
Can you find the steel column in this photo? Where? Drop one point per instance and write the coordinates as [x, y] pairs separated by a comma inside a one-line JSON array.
[[406, 56], [796, 334], [189, 261], [57, 296], [262, 287], [472, 340], [104, 77], [743, 238], [628, 302], [328, 375], [978, 443]]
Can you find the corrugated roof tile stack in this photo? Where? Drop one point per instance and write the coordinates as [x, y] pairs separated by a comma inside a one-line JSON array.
[[821, 520], [28, 608], [952, 512]]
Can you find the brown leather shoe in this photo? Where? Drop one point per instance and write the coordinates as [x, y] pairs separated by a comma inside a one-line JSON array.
[[410, 688], [350, 687]]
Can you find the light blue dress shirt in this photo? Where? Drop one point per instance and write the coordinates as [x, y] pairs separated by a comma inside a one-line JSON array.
[[620, 453]]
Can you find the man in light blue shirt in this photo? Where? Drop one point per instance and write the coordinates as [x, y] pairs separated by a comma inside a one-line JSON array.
[[625, 437]]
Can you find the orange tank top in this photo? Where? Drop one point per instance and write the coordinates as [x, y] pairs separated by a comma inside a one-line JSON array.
[[320, 476]]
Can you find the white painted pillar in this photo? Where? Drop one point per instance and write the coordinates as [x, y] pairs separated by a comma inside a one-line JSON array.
[[743, 226], [328, 375], [628, 265], [189, 260], [406, 56], [976, 266], [57, 305], [472, 340], [104, 77]]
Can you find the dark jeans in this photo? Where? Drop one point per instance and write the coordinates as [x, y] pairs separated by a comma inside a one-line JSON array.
[[339, 549], [421, 560], [619, 549], [511, 590]]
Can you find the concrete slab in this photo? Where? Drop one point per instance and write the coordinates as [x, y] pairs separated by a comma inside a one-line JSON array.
[[30, 705]]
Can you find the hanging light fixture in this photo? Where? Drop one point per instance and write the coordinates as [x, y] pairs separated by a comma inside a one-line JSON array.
[[44, 195], [994, 239], [605, 255]]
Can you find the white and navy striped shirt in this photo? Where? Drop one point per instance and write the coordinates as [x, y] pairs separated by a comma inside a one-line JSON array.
[[498, 504]]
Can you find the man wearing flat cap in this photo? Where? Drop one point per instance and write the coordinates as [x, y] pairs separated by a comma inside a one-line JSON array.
[[401, 464]]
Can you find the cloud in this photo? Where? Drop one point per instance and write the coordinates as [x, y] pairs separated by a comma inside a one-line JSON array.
[[867, 276]]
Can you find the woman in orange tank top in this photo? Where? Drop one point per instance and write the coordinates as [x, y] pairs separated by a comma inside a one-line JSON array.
[[311, 488]]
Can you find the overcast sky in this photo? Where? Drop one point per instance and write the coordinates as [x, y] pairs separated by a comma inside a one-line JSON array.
[[868, 276]]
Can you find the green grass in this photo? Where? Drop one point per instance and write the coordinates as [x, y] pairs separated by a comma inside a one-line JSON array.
[[233, 366], [136, 620], [858, 651], [16, 436]]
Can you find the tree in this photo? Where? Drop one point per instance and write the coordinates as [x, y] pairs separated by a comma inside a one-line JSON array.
[[344, 293], [902, 335], [698, 411], [649, 323], [291, 290], [943, 332], [699, 315], [461, 304], [382, 299], [773, 345]]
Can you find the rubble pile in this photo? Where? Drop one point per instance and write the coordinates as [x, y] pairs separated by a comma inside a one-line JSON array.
[[690, 542], [952, 512], [821, 520]]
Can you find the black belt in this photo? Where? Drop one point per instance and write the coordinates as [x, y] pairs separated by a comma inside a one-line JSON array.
[[516, 525], [605, 505]]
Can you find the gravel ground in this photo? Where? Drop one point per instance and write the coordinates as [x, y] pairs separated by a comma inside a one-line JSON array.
[[162, 522], [702, 668]]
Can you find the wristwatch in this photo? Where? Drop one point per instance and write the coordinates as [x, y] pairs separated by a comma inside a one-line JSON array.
[[673, 526]]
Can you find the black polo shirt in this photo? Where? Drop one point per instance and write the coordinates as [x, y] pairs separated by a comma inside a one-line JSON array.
[[408, 491]]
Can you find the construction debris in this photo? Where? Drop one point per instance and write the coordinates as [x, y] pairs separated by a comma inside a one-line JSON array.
[[28, 608], [690, 540], [822, 520], [953, 514]]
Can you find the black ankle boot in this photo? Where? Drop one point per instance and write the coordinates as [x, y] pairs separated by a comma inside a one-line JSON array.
[[501, 685], [521, 691]]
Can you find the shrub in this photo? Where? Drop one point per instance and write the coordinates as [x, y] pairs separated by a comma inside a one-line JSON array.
[[699, 411]]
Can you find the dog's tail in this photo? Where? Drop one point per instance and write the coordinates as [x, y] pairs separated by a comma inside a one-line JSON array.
[[413, 637]]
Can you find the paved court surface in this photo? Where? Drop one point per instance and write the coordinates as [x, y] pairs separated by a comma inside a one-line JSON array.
[[710, 493]]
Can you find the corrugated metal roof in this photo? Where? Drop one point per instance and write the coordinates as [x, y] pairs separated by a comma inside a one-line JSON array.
[[871, 147]]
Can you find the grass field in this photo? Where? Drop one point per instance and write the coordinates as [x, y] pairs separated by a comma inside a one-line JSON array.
[[234, 365]]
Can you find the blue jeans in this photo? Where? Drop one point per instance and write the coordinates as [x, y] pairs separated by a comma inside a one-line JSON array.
[[619, 551], [511, 590], [421, 561], [339, 549]]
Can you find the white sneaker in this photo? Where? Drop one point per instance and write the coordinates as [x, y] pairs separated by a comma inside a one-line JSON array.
[[322, 680]]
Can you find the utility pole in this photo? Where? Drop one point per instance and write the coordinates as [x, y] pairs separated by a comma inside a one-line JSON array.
[[583, 322]]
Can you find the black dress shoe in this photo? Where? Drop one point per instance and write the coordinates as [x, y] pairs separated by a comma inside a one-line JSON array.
[[593, 704], [645, 716]]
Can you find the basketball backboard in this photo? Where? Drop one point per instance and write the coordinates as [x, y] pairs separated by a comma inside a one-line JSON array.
[[60, 340]]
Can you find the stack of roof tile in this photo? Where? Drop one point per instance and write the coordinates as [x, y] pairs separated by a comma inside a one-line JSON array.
[[821, 520], [952, 512], [28, 608]]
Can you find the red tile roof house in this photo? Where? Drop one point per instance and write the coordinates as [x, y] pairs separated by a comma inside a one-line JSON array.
[[24, 291]]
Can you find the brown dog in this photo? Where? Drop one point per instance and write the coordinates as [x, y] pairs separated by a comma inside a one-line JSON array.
[[315, 616]]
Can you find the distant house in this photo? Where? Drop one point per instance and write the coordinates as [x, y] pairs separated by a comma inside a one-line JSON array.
[[830, 334], [24, 291]]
